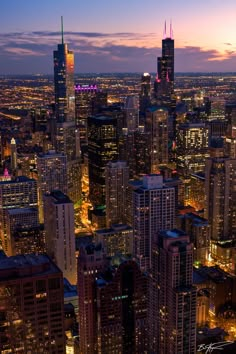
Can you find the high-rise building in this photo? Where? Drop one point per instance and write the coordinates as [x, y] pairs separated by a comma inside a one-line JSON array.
[[32, 309], [89, 100], [172, 300], [20, 192], [18, 223], [13, 155], [164, 84], [132, 113], [145, 94], [52, 175], [64, 83], [154, 209], [112, 304], [59, 232], [91, 261], [65, 136], [157, 126], [198, 229], [102, 148], [220, 179], [121, 298], [192, 147], [116, 179]]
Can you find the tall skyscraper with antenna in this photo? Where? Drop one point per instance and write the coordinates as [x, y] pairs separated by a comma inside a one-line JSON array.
[[66, 137], [64, 82], [164, 83]]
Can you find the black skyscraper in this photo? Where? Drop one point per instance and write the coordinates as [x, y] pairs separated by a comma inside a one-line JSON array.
[[164, 84]]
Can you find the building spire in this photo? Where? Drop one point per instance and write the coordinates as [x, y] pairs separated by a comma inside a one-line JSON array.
[[164, 33], [62, 31], [171, 30]]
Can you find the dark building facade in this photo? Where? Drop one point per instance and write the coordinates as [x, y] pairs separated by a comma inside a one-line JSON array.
[[102, 148]]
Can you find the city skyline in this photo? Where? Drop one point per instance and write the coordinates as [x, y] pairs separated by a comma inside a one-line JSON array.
[[121, 38]]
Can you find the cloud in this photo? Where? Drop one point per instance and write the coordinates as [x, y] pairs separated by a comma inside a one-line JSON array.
[[104, 52], [23, 52]]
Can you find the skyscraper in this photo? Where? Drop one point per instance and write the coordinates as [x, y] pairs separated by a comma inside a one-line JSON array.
[[153, 211], [116, 178], [20, 192], [52, 175], [64, 82], [172, 311], [145, 95], [102, 148], [13, 155], [192, 147], [91, 261], [112, 304], [220, 183], [59, 232], [132, 113], [66, 137], [164, 84], [32, 311], [157, 126]]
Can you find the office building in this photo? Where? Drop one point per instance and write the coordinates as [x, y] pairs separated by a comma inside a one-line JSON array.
[[59, 232], [191, 147], [32, 311], [164, 83], [112, 304], [52, 174], [89, 100], [13, 155], [132, 113], [154, 209], [172, 306], [102, 148], [17, 221], [157, 126], [220, 182], [121, 298], [19, 192], [116, 179], [91, 261], [198, 229], [65, 135], [145, 94]]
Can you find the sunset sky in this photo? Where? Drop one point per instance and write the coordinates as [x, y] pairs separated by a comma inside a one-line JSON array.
[[121, 36]]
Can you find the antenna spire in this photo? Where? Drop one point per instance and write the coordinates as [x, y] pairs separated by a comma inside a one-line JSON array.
[[62, 31], [171, 31], [164, 33]]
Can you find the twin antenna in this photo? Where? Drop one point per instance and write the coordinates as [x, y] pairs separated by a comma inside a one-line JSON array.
[[171, 36]]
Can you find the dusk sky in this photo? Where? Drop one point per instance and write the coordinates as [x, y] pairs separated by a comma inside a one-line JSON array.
[[117, 36]]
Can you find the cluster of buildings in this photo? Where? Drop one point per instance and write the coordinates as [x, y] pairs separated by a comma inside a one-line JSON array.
[[154, 183]]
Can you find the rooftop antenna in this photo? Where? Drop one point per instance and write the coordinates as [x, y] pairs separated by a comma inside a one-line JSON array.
[[62, 31], [164, 34], [171, 31]]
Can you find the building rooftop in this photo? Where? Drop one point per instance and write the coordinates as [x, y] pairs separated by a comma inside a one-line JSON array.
[[17, 211], [114, 228], [60, 197], [29, 265], [18, 179], [174, 233]]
